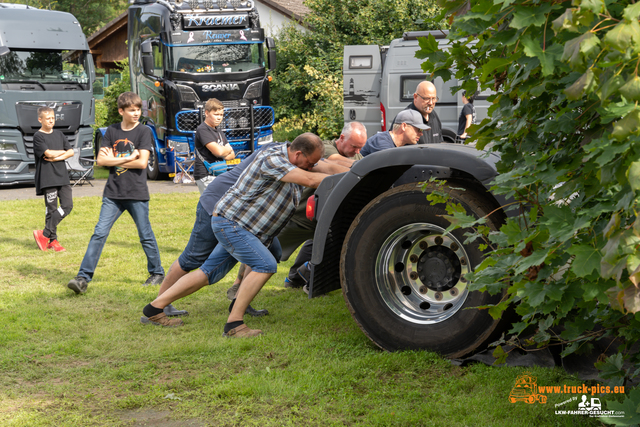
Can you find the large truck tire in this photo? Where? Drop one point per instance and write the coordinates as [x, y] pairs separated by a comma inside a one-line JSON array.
[[153, 170], [403, 277]]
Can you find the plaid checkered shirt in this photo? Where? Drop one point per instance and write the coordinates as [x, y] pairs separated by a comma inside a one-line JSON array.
[[259, 202]]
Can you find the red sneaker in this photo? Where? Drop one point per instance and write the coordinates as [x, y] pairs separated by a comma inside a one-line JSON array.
[[55, 245], [42, 241]]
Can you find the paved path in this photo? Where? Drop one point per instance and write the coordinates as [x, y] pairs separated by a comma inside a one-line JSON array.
[[24, 192]]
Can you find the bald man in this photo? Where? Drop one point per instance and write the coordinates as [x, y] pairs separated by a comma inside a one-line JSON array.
[[424, 100]]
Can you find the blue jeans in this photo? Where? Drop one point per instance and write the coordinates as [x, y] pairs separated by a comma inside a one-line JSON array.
[[237, 244], [109, 214], [201, 242]]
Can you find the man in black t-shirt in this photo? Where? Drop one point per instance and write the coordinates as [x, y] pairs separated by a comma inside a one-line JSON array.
[[51, 148], [211, 144], [424, 101], [125, 150]]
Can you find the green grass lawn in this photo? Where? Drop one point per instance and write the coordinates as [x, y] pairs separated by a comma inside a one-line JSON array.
[[68, 360]]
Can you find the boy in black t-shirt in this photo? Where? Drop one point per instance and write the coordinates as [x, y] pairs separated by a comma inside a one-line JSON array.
[[125, 150], [211, 143], [51, 148]]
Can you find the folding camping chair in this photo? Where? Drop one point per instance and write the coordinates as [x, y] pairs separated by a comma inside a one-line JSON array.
[[184, 160], [77, 172]]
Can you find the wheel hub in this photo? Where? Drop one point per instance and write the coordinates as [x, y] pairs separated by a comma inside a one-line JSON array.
[[420, 273], [439, 268]]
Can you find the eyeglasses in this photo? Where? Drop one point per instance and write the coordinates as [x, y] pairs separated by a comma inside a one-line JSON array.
[[432, 100]]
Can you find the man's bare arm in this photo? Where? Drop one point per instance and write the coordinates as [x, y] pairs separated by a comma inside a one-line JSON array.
[[329, 167], [344, 161], [304, 178]]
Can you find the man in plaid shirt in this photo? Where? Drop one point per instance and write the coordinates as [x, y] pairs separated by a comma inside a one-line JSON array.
[[244, 221]]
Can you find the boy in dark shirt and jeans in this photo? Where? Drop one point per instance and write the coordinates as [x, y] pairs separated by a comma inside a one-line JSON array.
[[51, 148], [125, 150]]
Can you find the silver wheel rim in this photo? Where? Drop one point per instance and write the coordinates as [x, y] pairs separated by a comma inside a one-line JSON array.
[[420, 273]]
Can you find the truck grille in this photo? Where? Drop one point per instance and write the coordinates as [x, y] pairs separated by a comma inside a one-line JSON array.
[[236, 122]]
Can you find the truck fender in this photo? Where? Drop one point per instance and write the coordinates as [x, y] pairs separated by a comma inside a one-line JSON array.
[[340, 198], [395, 163]]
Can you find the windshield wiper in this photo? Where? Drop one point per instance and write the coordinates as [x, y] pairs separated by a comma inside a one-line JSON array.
[[30, 82], [71, 83]]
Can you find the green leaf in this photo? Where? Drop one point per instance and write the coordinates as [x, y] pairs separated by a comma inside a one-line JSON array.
[[627, 126], [596, 6], [585, 84], [632, 12], [574, 47], [495, 65], [631, 89], [587, 259], [546, 57], [564, 22], [526, 16], [629, 407], [633, 175], [623, 36]]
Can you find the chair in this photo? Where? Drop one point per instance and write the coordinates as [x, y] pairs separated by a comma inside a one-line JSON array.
[[77, 172], [184, 160]]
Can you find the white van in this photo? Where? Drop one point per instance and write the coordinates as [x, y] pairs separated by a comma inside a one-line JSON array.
[[379, 82]]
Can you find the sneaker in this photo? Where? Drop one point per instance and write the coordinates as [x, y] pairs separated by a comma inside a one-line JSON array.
[[256, 313], [305, 288], [154, 279], [42, 241], [161, 320], [171, 311], [78, 285], [304, 272], [56, 246], [242, 331], [232, 291]]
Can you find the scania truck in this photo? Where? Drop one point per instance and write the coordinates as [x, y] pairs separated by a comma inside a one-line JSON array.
[[44, 60], [181, 53]]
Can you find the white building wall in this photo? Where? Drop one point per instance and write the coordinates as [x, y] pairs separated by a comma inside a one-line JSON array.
[[272, 20]]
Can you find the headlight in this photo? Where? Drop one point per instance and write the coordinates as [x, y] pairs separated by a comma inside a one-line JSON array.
[[232, 123], [254, 90], [265, 139], [172, 144], [5, 146], [243, 122]]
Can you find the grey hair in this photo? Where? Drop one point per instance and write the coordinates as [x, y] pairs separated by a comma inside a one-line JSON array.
[[350, 127], [308, 143]]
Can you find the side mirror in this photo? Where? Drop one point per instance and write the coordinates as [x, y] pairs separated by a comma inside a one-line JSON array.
[[147, 58], [4, 50], [271, 55]]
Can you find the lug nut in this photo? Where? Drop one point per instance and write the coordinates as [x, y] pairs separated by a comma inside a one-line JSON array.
[[423, 245], [453, 292], [413, 258], [422, 289], [422, 278], [438, 296], [463, 261], [454, 246], [413, 275], [439, 240]]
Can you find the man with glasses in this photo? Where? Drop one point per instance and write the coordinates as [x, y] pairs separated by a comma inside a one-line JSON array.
[[424, 100], [407, 130]]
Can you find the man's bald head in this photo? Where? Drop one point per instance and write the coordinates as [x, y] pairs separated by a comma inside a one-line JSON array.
[[425, 98]]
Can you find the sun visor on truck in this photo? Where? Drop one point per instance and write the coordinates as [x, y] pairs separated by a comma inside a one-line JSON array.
[[43, 32], [198, 37]]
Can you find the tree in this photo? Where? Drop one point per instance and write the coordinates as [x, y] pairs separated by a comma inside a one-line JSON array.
[[91, 14], [566, 121], [307, 89]]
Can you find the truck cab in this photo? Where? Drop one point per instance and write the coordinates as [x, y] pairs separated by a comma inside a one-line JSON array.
[[182, 53], [44, 61]]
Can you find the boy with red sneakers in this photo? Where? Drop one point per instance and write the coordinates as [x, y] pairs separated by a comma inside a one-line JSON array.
[[51, 148]]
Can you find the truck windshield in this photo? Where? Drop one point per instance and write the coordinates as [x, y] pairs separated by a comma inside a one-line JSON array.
[[45, 67], [227, 58]]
